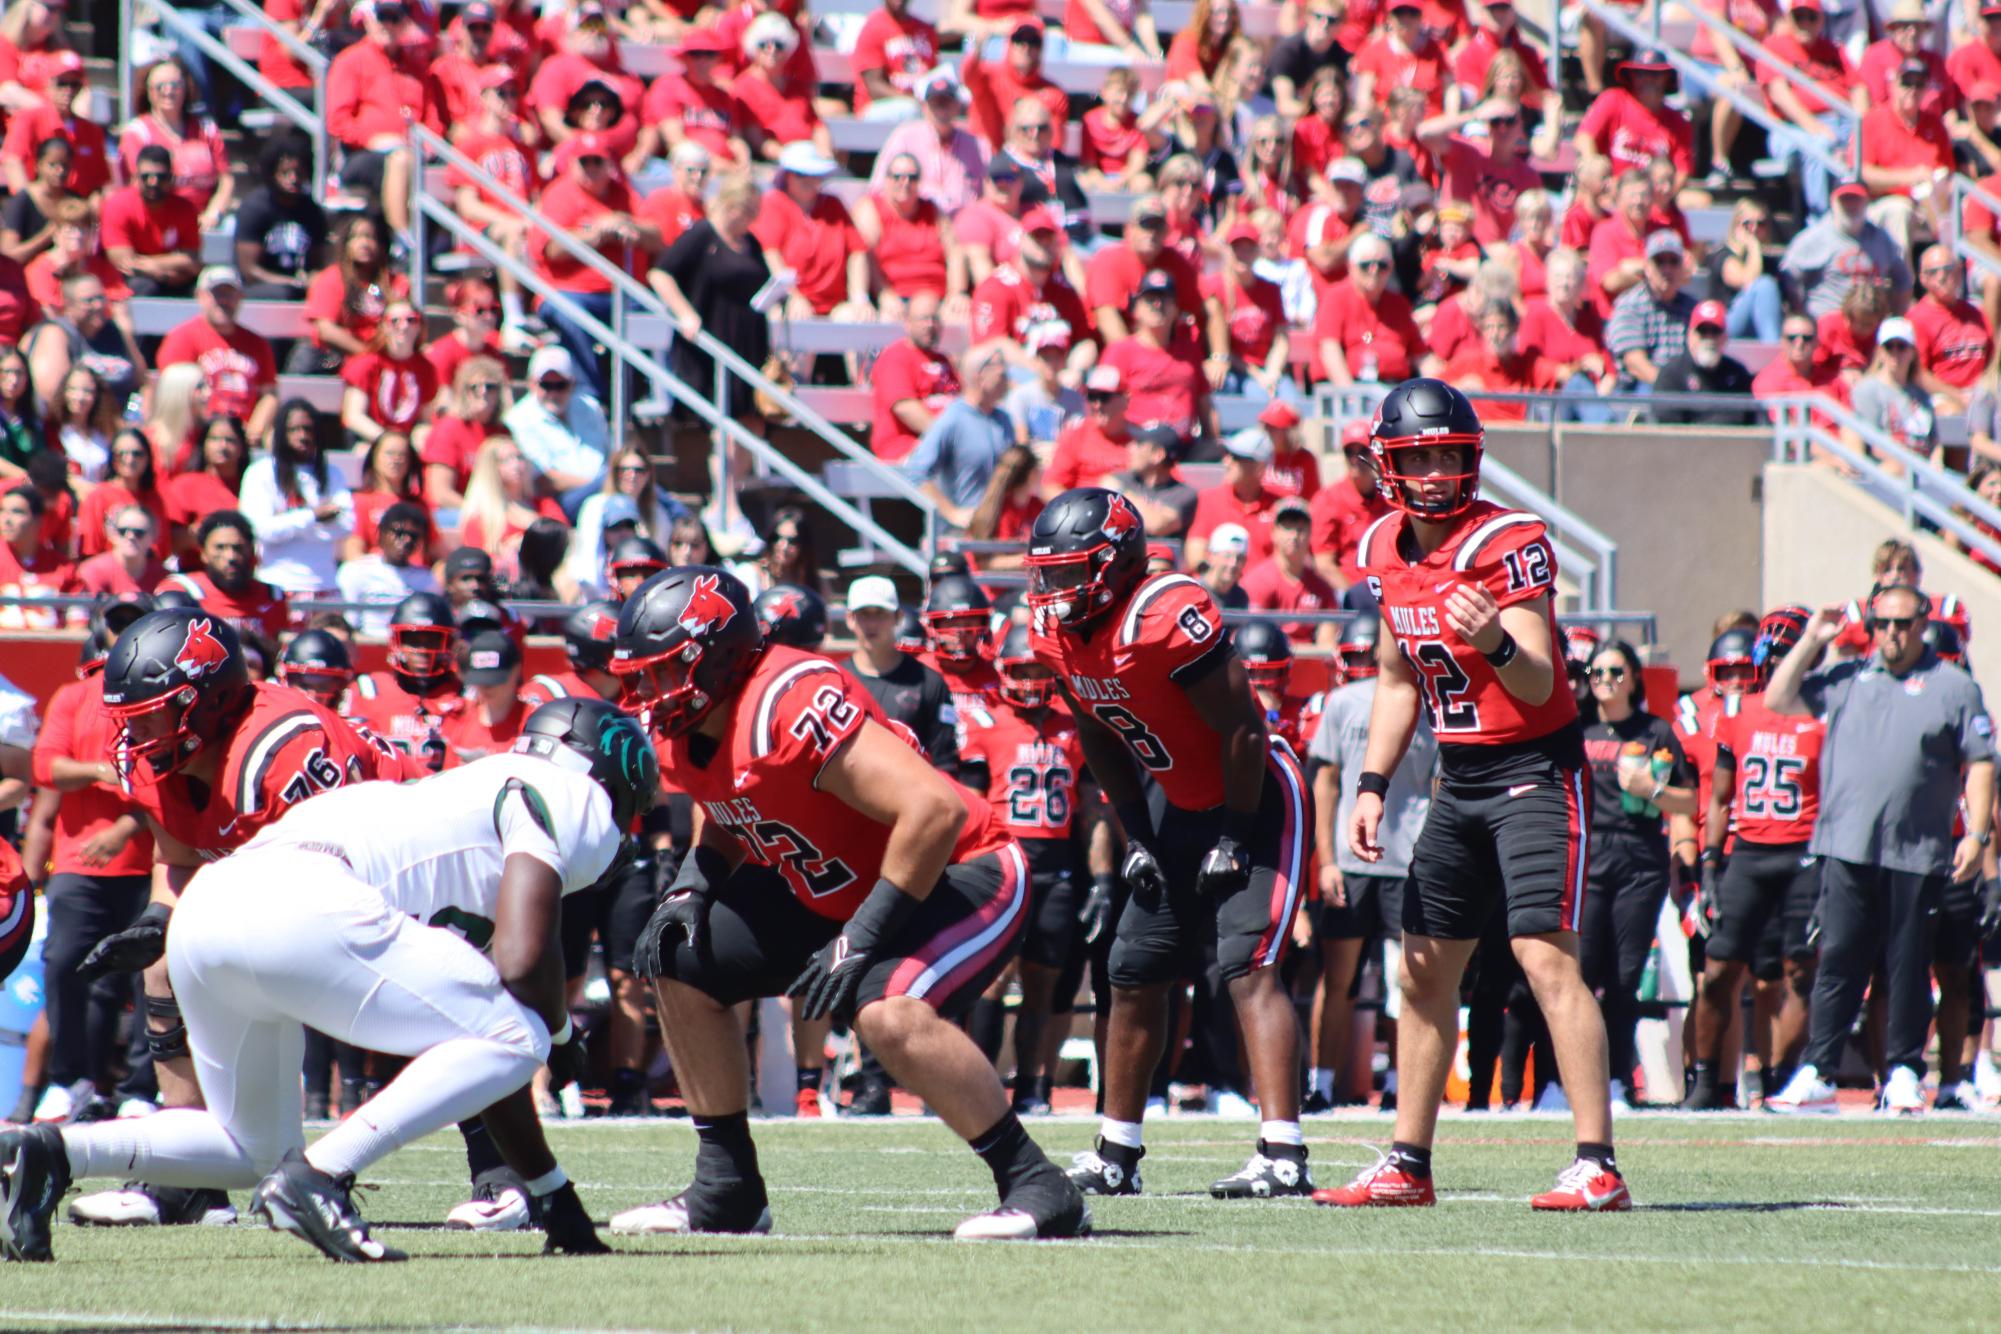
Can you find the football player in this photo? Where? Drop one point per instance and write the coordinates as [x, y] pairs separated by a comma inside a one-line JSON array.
[[408, 703], [587, 635], [1024, 754], [1215, 847], [1765, 796], [415, 920], [631, 562], [958, 619], [1267, 655], [835, 865], [226, 584], [317, 665], [794, 616], [1465, 588]]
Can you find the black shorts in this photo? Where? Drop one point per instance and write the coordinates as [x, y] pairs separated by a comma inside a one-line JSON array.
[[1374, 910], [1187, 933], [1053, 935], [1957, 943], [1765, 883], [1518, 838], [615, 911], [361, 170], [759, 938]]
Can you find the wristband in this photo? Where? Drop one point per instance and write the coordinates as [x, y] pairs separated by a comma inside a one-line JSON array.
[[1136, 819], [1374, 785], [1504, 652], [562, 1035]]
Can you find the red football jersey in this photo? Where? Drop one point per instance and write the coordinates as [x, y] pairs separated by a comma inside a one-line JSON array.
[[549, 687], [404, 720], [974, 683], [472, 737], [286, 749], [1509, 552], [1033, 761], [793, 714], [1295, 720], [1777, 759], [1127, 676], [1695, 722]]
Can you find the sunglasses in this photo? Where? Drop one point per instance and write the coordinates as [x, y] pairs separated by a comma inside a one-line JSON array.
[[154, 175], [134, 534], [633, 469], [905, 176], [404, 322], [488, 312], [1802, 338], [1372, 265], [1098, 397], [1035, 126], [555, 383], [1607, 673], [593, 162], [1897, 623]]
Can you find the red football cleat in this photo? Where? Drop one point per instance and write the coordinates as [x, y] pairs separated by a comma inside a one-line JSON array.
[[1385, 1185], [807, 1102], [1585, 1187]]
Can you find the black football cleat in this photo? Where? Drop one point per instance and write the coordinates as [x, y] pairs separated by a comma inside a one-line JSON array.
[[1044, 1207], [300, 1199], [1106, 1169], [566, 1228], [744, 1209], [1266, 1177], [34, 1173]]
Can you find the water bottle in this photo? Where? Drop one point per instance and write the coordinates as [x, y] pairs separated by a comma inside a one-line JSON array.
[[1631, 754]]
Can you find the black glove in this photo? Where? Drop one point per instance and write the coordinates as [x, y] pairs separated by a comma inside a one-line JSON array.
[[682, 910], [1095, 912], [567, 1059], [138, 947], [1141, 869], [566, 1228], [1224, 870], [1707, 904], [829, 984], [1990, 910]]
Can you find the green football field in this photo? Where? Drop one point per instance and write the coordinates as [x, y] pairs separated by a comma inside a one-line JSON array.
[[1742, 1221]]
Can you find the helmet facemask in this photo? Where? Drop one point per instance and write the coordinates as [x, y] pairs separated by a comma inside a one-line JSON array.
[[662, 689], [1070, 588], [422, 652], [958, 635], [1428, 495]]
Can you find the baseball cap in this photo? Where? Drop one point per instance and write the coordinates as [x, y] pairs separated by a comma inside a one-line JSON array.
[[1003, 168], [1279, 415], [479, 11], [1349, 169], [1039, 219], [1243, 231], [942, 79], [1048, 335], [1855, 188], [468, 560], [1914, 70], [1896, 329], [1991, 10], [1796, 5], [551, 359], [703, 42], [219, 275], [620, 508], [803, 159], [490, 658], [1104, 380], [580, 146], [1709, 315], [66, 61], [1156, 281], [1158, 433], [1665, 242], [1249, 443], [1355, 435], [1027, 23], [1229, 539], [872, 591]]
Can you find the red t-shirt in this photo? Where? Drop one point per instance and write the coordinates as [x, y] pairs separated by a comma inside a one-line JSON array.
[[1879, 67], [1477, 368], [256, 606], [193, 496], [1085, 456], [1490, 185], [901, 46], [450, 352], [1341, 514], [672, 212], [44, 574], [398, 390], [45, 285], [568, 205], [454, 441], [105, 576], [1840, 344], [1270, 589], [1469, 67], [19, 310], [149, 229], [106, 497], [1219, 505], [199, 156], [1545, 331], [1425, 70], [1108, 147], [982, 223], [995, 90], [1822, 61], [1293, 472], [90, 156], [786, 114], [1385, 332], [76, 726], [1255, 311], [1164, 385], [558, 78], [1631, 135], [1114, 274], [1315, 143], [708, 113], [905, 371], [1005, 306], [910, 251], [1954, 342], [816, 245], [1888, 142], [1613, 242], [239, 365], [1975, 65], [501, 157], [327, 299]]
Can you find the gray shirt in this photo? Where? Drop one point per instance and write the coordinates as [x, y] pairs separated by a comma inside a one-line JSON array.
[[1905, 411], [1343, 739], [1031, 409], [960, 450], [1823, 262], [1890, 768]]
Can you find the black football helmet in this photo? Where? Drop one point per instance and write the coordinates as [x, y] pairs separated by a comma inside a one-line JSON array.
[[792, 615], [603, 741], [587, 636], [422, 634], [108, 618], [945, 563], [1024, 682], [175, 597], [1267, 654], [1423, 414], [1086, 552], [1734, 652], [1356, 651], [318, 664], [174, 682], [959, 616], [1942, 638], [687, 639], [633, 557], [1777, 633], [911, 637]]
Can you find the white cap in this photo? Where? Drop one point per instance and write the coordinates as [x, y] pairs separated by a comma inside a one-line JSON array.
[[1894, 330], [1229, 539], [872, 590], [803, 159], [1249, 443], [219, 275], [1350, 169], [551, 359], [688, 153]]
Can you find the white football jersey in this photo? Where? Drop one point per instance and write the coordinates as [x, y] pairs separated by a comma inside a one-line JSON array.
[[434, 848]]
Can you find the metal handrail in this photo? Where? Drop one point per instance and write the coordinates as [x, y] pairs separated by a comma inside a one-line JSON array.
[[1757, 51], [1965, 188], [727, 427], [423, 142], [312, 122], [1754, 109]]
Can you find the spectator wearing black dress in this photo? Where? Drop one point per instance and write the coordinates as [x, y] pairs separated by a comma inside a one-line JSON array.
[[28, 218]]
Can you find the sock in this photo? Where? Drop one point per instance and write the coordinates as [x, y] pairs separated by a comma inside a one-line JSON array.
[[1125, 1134], [1323, 1082], [804, 1079], [986, 1024], [450, 1082], [181, 1147], [1282, 1136], [1414, 1161], [1009, 1153], [1044, 1087], [510, 307], [1600, 1154], [482, 1154], [1702, 1080], [548, 1183], [724, 1154], [1390, 1080]]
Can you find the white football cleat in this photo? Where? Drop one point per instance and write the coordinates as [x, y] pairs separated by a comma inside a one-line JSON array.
[[1903, 1093], [670, 1218], [138, 1205], [1805, 1094], [494, 1207]]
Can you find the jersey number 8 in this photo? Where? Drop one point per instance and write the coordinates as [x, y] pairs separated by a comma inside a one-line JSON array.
[[1144, 745]]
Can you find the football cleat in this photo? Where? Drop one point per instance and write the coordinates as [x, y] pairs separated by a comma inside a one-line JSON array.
[[1957, 1097], [300, 1199], [136, 1204], [1045, 1207], [499, 1203], [1903, 1093], [34, 1173], [1315, 1103], [1585, 1187], [1265, 1178], [687, 1213], [55, 1104], [871, 1099], [1805, 1094], [1106, 1169], [1386, 1185], [806, 1103], [566, 1228], [88, 1105]]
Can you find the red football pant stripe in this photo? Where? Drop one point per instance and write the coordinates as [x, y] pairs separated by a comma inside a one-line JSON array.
[[1577, 855], [1290, 878], [954, 955]]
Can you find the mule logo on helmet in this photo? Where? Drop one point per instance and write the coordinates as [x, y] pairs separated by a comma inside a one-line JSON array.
[[784, 607], [707, 608], [201, 652], [603, 627], [1120, 518]]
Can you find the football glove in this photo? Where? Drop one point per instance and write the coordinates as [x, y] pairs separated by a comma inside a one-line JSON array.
[[1224, 870], [138, 947], [566, 1228], [568, 1059], [682, 910], [1141, 869], [1707, 904], [1094, 914], [832, 980]]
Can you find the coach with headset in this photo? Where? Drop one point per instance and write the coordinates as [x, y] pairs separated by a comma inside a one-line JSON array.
[[1907, 735]]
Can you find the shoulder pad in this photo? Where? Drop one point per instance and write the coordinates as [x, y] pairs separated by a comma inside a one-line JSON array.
[[766, 725], [1163, 592], [1499, 533], [1381, 532], [262, 755]]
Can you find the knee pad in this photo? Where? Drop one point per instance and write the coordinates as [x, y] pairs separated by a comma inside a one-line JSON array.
[[165, 1043]]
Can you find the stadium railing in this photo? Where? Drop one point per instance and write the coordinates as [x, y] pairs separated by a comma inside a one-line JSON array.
[[309, 120]]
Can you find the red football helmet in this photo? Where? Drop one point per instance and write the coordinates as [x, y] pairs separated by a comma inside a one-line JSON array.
[[1732, 664]]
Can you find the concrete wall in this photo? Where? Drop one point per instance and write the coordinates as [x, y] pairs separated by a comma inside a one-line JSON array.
[[1819, 535]]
